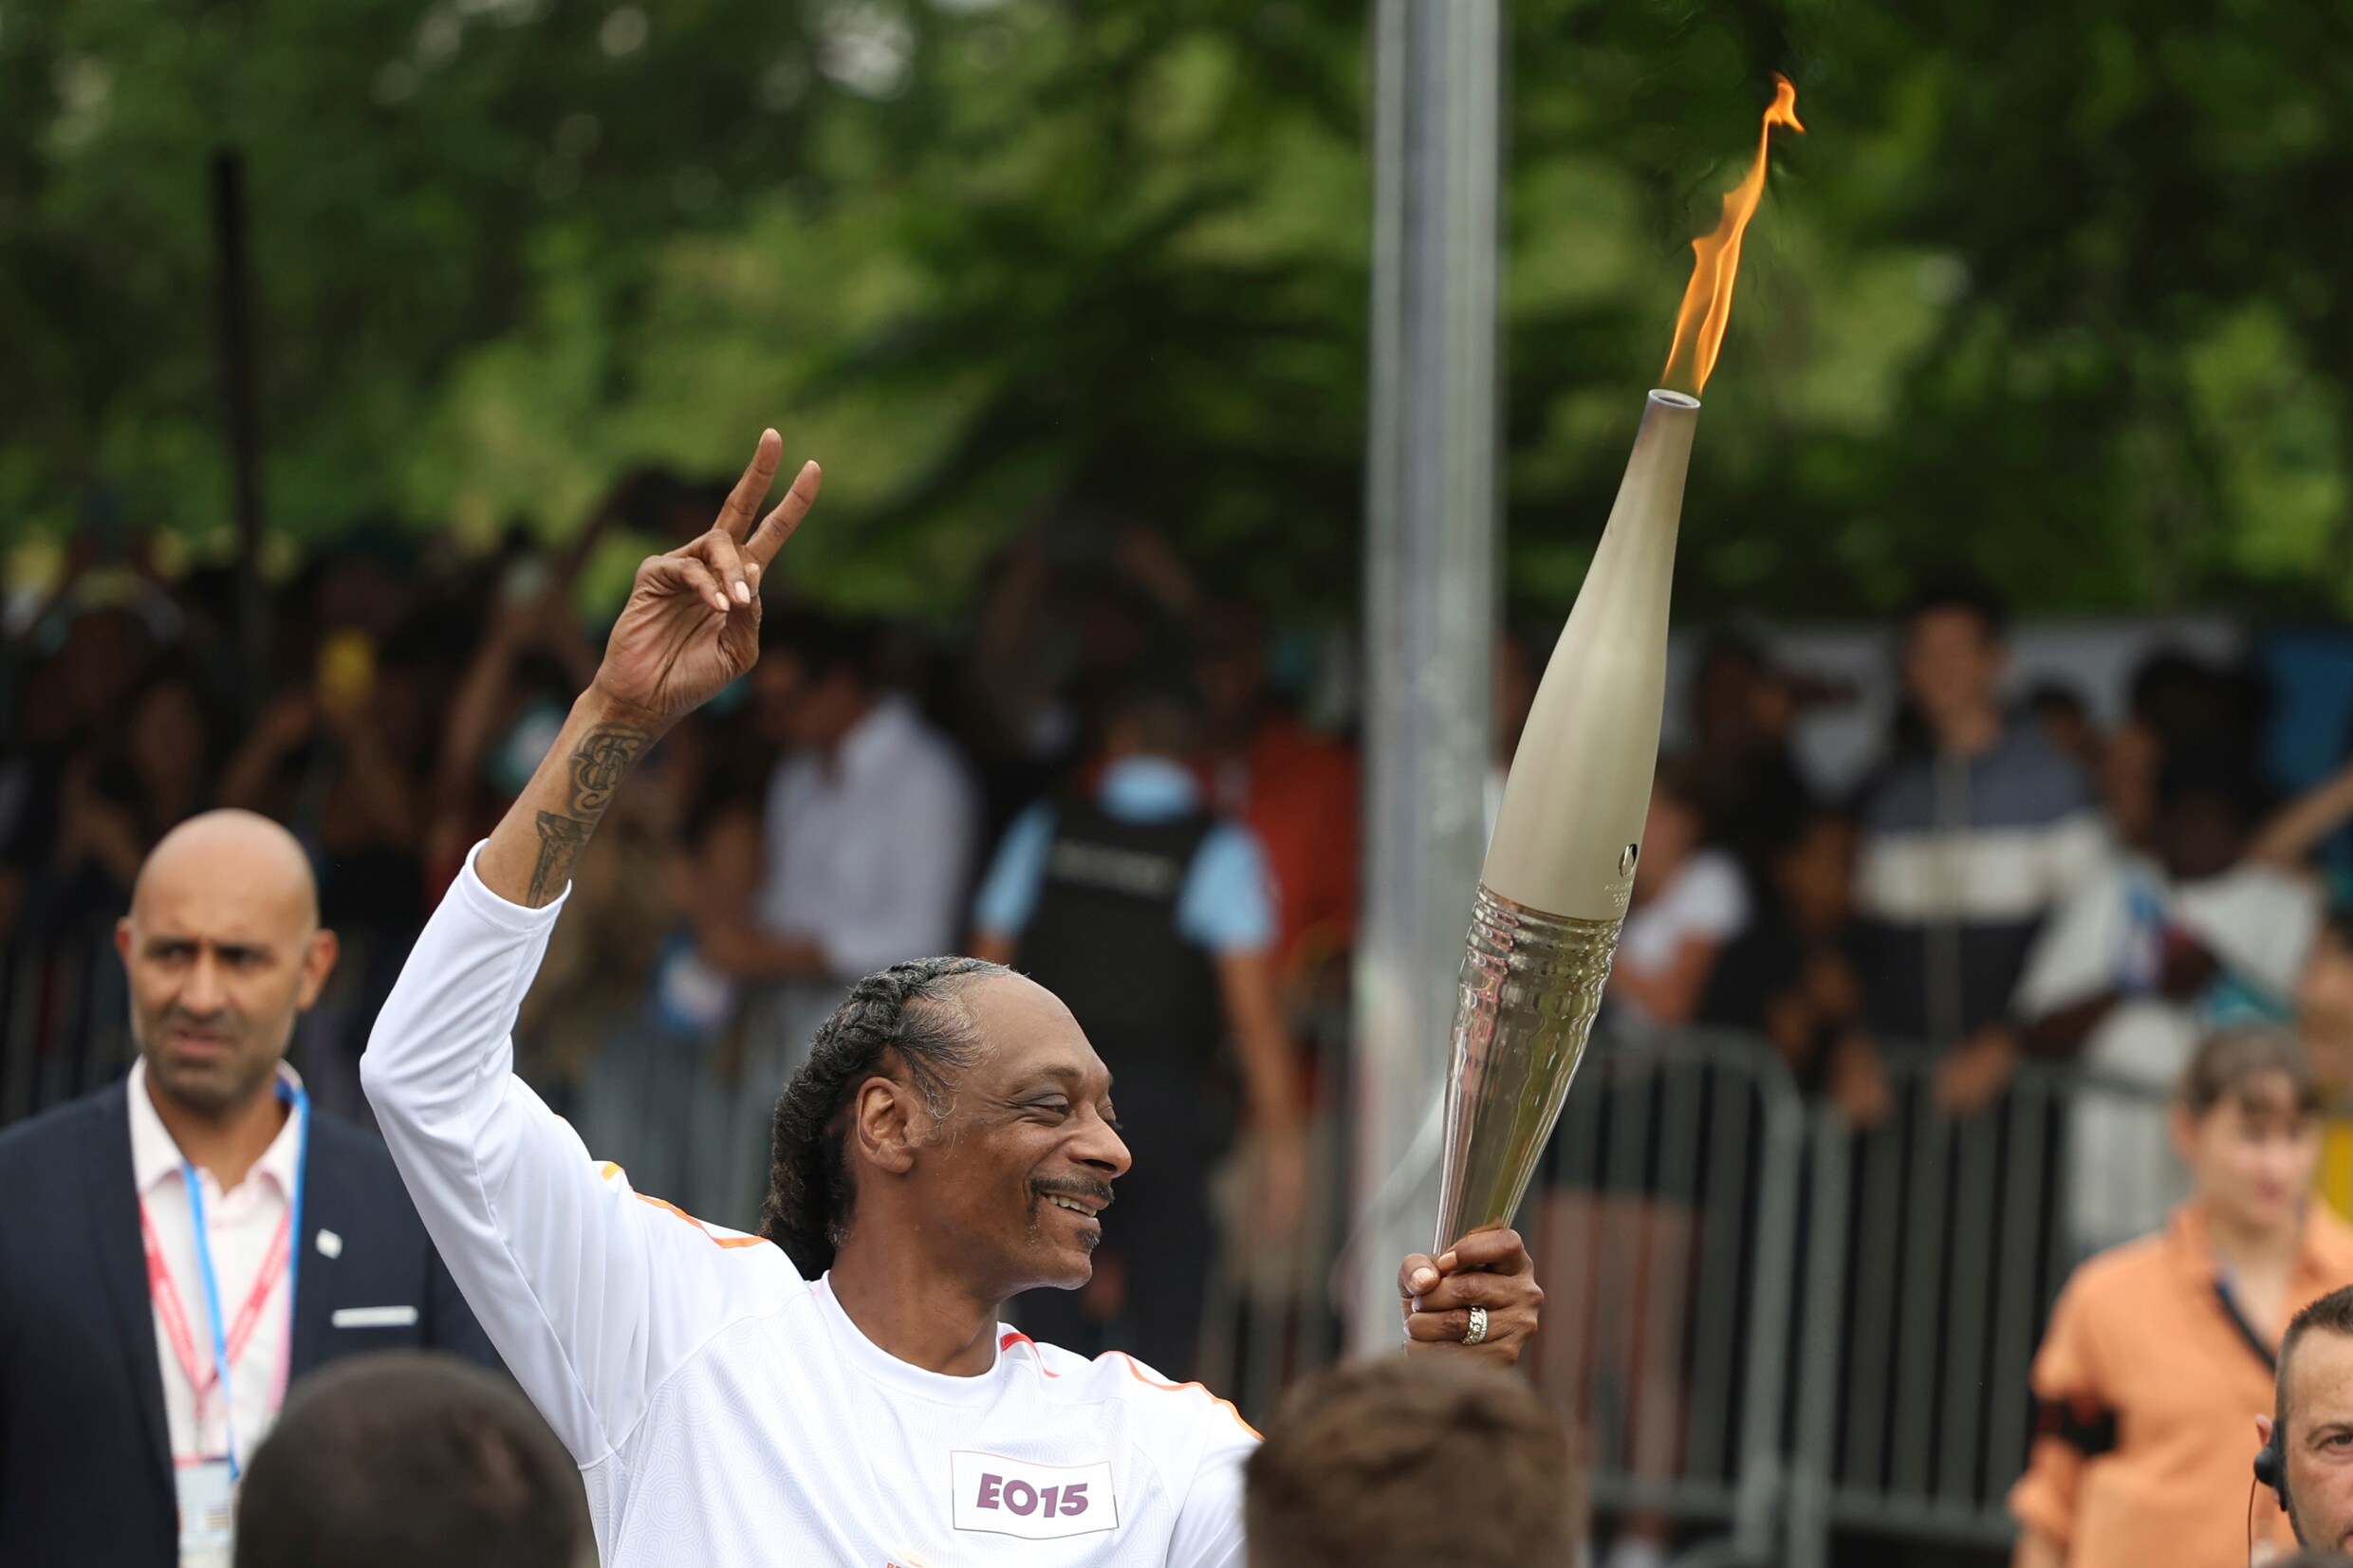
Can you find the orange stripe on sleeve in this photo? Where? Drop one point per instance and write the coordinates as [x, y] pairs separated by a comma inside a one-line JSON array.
[[1137, 1373], [715, 1241]]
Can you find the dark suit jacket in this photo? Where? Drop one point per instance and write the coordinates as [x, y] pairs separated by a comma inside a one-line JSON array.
[[86, 1464]]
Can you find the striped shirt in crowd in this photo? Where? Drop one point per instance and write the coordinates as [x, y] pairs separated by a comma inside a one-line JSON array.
[[1961, 859]]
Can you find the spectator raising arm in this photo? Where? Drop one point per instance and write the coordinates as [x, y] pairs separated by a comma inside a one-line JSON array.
[[2300, 825]]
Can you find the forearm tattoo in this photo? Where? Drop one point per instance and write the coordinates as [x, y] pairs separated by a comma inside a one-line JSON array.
[[593, 772]]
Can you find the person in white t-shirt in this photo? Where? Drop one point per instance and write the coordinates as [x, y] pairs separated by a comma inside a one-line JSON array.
[[1689, 899], [951, 1142], [2142, 960]]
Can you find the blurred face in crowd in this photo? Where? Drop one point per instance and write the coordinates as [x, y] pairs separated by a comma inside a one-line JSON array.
[[1023, 1163], [2128, 769], [2252, 1156], [2324, 1005], [223, 950], [801, 710], [167, 736], [106, 650], [1816, 875], [1723, 697], [1952, 665], [1230, 672], [2199, 835], [1671, 832], [2318, 1440]]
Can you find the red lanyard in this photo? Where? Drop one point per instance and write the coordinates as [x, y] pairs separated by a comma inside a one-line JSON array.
[[200, 1370]]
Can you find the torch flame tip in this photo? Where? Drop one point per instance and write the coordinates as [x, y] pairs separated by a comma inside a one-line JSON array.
[[1707, 308]]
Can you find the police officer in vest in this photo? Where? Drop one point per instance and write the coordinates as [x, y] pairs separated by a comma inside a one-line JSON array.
[[1154, 919]]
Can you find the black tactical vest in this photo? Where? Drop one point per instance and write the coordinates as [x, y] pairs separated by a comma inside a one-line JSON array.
[[1104, 938]]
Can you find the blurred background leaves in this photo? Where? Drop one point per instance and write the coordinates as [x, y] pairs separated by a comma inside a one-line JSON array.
[[2054, 292]]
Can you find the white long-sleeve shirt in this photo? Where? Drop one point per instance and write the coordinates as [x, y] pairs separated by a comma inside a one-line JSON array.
[[724, 1412]]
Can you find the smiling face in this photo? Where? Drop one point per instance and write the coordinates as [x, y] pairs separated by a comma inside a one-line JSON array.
[[223, 949], [1019, 1171]]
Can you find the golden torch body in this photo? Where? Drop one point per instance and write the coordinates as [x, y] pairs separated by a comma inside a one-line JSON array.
[[1559, 867]]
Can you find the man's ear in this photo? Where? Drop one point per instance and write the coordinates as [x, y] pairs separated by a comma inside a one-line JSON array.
[[2263, 1431], [318, 963], [881, 1120], [2183, 1131]]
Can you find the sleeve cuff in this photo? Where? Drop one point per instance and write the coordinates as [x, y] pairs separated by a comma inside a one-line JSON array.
[[481, 902]]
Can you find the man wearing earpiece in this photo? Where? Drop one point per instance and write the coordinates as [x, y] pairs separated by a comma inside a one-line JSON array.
[[2308, 1440]]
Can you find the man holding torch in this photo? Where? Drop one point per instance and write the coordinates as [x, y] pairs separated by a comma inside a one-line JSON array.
[[845, 1394]]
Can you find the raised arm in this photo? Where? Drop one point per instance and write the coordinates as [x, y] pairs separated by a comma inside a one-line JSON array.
[[691, 626], [591, 1294]]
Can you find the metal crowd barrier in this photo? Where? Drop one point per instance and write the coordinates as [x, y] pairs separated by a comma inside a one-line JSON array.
[[1665, 1231], [1700, 1230], [64, 1016]]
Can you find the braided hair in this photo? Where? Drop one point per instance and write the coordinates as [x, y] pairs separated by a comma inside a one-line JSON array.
[[901, 1017]]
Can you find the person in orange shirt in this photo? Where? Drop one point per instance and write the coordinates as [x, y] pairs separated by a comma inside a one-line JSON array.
[[2160, 1352]]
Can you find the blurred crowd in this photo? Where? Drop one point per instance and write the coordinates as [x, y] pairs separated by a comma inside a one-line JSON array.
[[2009, 882], [1103, 773], [1108, 774]]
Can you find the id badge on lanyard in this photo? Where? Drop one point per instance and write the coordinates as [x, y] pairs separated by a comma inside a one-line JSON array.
[[207, 1494], [206, 1488]]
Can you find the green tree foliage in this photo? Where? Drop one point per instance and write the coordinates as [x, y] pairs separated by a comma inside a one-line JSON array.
[[2048, 290]]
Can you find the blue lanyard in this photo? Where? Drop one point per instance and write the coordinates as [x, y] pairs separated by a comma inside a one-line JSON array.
[[294, 1095]]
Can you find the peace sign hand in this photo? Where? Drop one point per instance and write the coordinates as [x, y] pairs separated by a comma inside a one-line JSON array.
[[693, 621]]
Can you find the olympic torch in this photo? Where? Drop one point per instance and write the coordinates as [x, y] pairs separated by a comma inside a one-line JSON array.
[[1560, 866]]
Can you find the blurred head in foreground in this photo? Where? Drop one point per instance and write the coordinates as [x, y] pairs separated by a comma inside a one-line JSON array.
[[404, 1459], [1408, 1460]]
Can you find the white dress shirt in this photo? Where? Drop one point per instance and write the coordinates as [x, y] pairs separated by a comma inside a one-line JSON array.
[[868, 848], [241, 1224], [726, 1412]]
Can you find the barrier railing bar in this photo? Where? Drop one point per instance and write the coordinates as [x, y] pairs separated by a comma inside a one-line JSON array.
[[1727, 1142], [1973, 1286]]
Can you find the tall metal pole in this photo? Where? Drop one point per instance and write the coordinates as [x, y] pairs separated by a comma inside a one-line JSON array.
[[236, 344], [1430, 604]]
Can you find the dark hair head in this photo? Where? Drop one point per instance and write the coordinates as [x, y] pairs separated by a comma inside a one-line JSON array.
[[820, 644], [2331, 1314], [1971, 594], [408, 1457], [2337, 923], [2048, 699], [902, 1020], [1684, 780], [1400, 1462], [1162, 713], [2232, 1065]]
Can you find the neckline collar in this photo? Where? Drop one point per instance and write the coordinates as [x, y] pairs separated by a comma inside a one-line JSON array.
[[155, 1157], [883, 1367]]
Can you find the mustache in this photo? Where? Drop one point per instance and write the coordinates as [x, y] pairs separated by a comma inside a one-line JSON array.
[[1049, 1187], [220, 1020]]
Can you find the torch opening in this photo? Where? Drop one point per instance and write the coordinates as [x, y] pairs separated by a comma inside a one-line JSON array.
[[1672, 399]]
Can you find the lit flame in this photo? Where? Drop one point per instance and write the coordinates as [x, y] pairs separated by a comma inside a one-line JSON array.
[[1708, 303]]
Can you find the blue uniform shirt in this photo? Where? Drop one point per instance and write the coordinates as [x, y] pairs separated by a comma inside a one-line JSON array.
[[1227, 904]]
